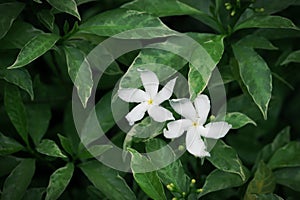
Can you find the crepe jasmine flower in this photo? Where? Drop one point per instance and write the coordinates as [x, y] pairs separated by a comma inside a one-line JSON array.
[[149, 100], [195, 115]]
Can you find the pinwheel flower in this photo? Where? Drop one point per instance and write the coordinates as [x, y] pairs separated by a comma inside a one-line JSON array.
[[195, 115], [149, 100]]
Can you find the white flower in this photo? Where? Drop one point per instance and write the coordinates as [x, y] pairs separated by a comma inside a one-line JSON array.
[[194, 118], [149, 100]]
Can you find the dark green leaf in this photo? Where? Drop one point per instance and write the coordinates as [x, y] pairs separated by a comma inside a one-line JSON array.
[[292, 57], [33, 49], [50, 148], [259, 87], [107, 180], [8, 163], [66, 144], [93, 151], [257, 42], [9, 12], [280, 140], [91, 129], [58, 182], [46, 17], [19, 77], [262, 183], [14, 40], [267, 197], [289, 177], [38, 118], [17, 182], [148, 181], [162, 8], [272, 6], [286, 156], [8, 145], [238, 120], [116, 21], [67, 6], [159, 153], [34, 193], [219, 180], [266, 22], [80, 72], [226, 159], [16, 110]]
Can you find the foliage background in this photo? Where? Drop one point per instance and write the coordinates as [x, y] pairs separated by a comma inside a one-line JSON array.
[[255, 45]]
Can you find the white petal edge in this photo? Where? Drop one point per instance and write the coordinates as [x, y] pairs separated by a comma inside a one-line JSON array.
[[137, 113], [176, 128], [160, 114], [184, 107], [202, 105], [195, 145], [216, 130], [133, 95], [166, 92], [150, 82]]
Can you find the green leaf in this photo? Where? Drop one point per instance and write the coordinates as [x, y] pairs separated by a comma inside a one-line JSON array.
[[8, 163], [266, 197], [38, 118], [238, 120], [16, 110], [292, 57], [33, 49], [286, 156], [116, 21], [14, 40], [281, 139], [9, 12], [226, 159], [219, 180], [47, 18], [204, 62], [79, 2], [91, 129], [17, 182], [107, 180], [67, 6], [34, 193], [66, 144], [8, 145], [266, 22], [262, 183], [289, 177], [80, 73], [259, 87], [142, 131], [161, 8], [50, 148], [257, 42], [148, 181], [19, 77], [93, 151], [272, 6], [159, 153], [59, 180]]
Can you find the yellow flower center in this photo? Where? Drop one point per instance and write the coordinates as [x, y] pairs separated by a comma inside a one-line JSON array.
[[150, 101], [195, 124]]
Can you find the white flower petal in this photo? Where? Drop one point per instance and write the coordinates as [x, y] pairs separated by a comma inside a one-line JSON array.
[[133, 95], [176, 128], [160, 114], [202, 105], [166, 92], [137, 113], [150, 82], [216, 130], [184, 107], [195, 144]]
